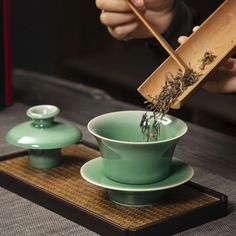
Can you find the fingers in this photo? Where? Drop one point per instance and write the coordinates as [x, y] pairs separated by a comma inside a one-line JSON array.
[[114, 19], [182, 39], [113, 6], [139, 4], [224, 81], [230, 64], [118, 5], [221, 86], [118, 17], [122, 32], [195, 28]]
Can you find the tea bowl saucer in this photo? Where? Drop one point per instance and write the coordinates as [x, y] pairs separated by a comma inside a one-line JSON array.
[[135, 194]]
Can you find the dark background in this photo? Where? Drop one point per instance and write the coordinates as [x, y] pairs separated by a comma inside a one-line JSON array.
[[66, 39]]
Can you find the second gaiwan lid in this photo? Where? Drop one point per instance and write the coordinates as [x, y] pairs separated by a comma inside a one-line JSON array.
[[43, 132]]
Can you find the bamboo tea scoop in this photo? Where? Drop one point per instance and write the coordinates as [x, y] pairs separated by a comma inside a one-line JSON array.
[[216, 35], [159, 37]]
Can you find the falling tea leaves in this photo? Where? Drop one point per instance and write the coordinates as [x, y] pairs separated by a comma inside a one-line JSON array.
[[174, 86]]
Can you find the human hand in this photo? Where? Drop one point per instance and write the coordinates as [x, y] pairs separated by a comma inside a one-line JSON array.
[[123, 24], [224, 80]]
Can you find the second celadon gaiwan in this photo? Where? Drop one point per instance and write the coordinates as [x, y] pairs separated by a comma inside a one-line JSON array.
[[43, 136]]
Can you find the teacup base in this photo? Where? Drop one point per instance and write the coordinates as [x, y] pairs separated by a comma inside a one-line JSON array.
[[136, 199], [136, 195]]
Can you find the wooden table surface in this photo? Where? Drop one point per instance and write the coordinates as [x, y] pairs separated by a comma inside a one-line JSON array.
[[212, 154]]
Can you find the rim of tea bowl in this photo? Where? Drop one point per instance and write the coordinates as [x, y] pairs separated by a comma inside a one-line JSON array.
[[135, 142]]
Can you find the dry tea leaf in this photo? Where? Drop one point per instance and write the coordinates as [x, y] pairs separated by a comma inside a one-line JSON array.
[[207, 59], [174, 86]]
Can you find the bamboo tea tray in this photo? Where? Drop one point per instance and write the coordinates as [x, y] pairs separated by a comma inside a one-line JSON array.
[[62, 190]]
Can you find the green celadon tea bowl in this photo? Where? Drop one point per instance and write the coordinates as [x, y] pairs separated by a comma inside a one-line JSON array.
[[127, 156]]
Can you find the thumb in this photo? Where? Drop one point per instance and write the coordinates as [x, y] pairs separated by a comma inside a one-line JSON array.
[[230, 63], [139, 4]]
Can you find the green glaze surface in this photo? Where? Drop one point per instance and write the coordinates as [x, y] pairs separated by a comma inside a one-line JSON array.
[[135, 199], [43, 136], [42, 112], [42, 132], [136, 195], [127, 157], [57, 135], [92, 171], [45, 158]]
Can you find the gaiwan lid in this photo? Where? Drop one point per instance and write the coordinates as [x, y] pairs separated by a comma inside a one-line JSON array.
[[43, 132]]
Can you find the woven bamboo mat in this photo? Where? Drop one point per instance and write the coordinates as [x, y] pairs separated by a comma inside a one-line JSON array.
[[66, 183]]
